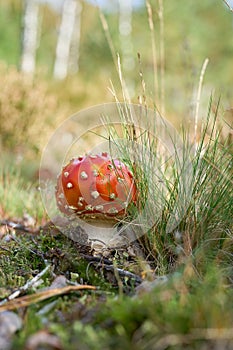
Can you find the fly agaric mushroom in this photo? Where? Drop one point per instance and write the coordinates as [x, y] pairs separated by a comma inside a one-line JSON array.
[[95, 188]]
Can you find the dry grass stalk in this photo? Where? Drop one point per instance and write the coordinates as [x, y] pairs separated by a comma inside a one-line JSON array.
[[196, 116], [162, 57], [154, 52]]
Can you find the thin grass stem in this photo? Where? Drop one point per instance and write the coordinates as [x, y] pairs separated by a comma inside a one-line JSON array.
[[203, 69], [162, 56], [154, 52]]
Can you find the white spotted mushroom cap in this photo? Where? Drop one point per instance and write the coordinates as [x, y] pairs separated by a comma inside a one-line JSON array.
[[95, 186]]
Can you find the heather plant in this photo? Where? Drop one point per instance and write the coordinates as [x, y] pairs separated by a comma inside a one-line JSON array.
[[28, 113]]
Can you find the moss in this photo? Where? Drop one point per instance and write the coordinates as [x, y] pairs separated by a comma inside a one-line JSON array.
[[176, 311]]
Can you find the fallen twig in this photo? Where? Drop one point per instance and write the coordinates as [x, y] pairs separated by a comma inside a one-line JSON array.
[[96, 259], [14, 225], [39, 296], [123, 273], [27, 285], [108, 266]]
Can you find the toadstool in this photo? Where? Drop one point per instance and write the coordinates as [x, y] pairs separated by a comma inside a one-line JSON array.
[[96, 189]]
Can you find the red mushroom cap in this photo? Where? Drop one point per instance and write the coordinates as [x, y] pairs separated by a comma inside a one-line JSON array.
[[95, 185]]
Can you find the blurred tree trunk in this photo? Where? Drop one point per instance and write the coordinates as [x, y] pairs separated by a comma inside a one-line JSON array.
[[68, 39], [125, 30], [75, 42], [29, 36]]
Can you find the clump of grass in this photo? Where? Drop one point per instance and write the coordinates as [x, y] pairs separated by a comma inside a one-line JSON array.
[[185, 196]]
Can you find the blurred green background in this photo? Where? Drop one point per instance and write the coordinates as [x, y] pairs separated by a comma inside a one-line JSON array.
[[32, 107]]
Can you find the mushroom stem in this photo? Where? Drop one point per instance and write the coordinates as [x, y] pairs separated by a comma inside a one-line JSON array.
[[99, 230]]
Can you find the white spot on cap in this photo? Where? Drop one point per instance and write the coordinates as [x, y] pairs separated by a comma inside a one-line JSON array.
[[69, 185], [66, 173], [80, 200], [95, 194], [88, 207], [72, 207], [95, 172], [99, 207], [112, 196], [112, 210], [83, 175]]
